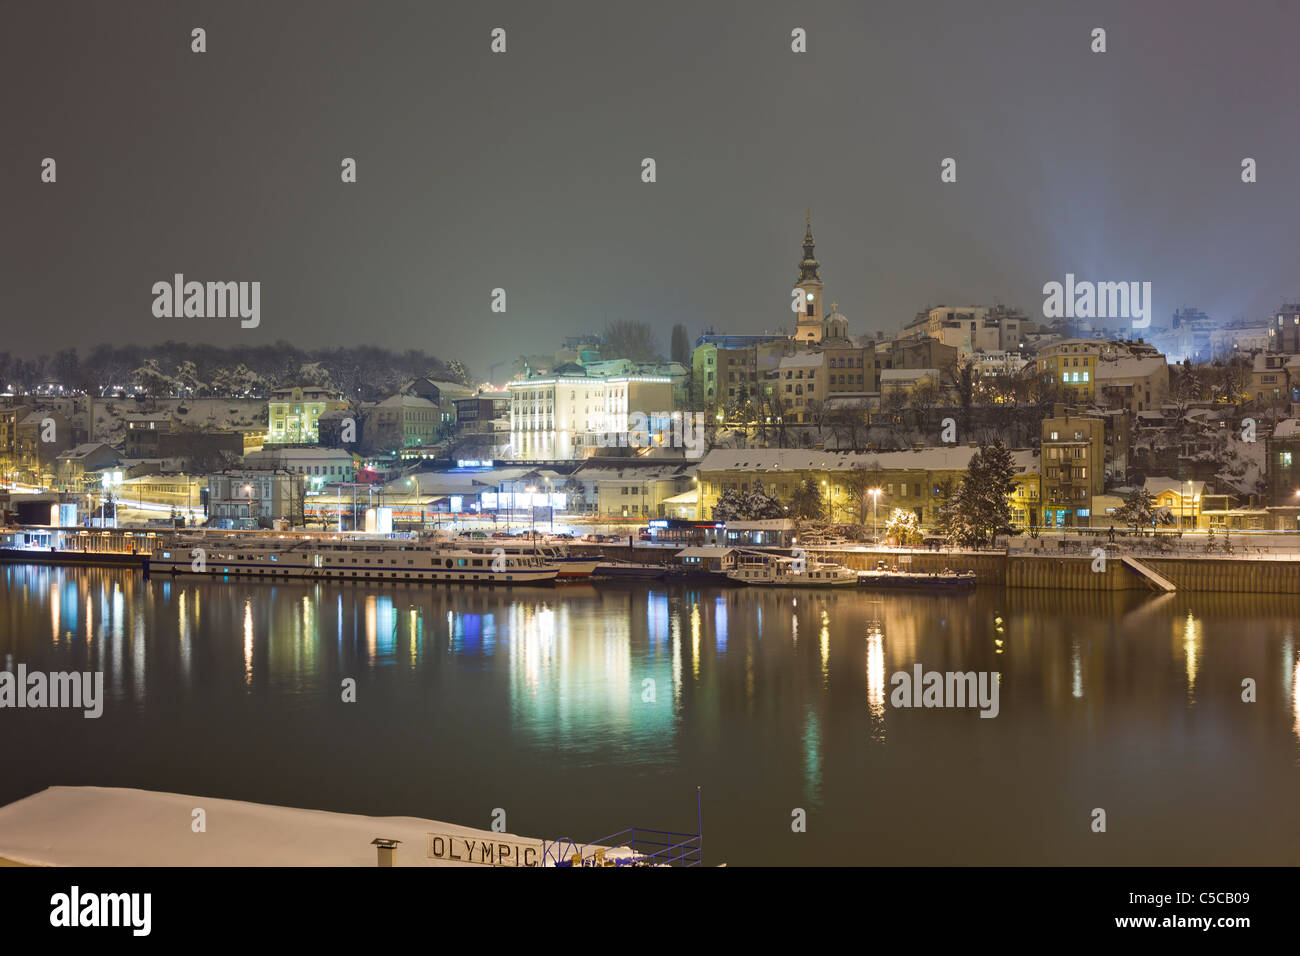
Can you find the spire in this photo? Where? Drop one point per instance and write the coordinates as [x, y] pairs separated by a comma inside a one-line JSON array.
[[808, 268]]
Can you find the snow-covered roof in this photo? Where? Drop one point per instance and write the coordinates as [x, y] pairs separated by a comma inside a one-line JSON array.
[[107, 826], [404, 401], [803, 360], [1290, 428], [317, 453], [81, 451], [1130, 367], [907, 374], [653, 468], [946, 458], [1159, 484]]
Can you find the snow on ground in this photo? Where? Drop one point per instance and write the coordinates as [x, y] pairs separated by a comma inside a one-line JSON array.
[[105, 826], [223, 413]]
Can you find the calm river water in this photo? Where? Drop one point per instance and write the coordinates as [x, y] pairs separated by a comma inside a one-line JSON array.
[[536, 701]]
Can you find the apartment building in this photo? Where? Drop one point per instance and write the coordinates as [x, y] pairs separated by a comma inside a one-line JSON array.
[[1073, 467]]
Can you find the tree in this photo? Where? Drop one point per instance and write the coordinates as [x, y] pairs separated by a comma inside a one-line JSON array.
[[760, 505], [680, 349], [922, 401], [728, 507], [903, 527], [151, 380], [858, 484], [952, 522], [849, 426], [629, 340], [978, 511], [991, 477], [808, 502], [1138, 508], [575, 495]]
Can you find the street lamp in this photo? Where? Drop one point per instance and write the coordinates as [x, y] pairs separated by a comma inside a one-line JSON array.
[[532, 515], [875, 494], [248, 490]]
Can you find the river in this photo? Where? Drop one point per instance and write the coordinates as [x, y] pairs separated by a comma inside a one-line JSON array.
[[582, 710]]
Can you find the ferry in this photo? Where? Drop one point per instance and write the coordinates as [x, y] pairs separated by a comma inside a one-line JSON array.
[[783, 572], [569, 568], [352, 559]]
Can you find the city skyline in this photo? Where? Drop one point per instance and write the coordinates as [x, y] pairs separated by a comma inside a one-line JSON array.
[[230, 170]]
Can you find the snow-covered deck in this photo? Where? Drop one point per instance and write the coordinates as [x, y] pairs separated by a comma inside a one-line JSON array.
[[103, 826]]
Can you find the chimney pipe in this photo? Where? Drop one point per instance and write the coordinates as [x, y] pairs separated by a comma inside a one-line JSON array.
[[387, 850]]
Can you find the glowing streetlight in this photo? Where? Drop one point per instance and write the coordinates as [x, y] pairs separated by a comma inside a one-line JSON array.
[[875, 494], [532, 516]]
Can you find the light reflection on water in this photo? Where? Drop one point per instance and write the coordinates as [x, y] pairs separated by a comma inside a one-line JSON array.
[[586, 709]]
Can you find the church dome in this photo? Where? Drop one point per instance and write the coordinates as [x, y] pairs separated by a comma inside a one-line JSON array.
[[837, 325]]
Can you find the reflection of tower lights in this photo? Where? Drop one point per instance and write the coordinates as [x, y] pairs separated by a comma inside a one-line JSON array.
[[695, 640], [248, 640], [1076, 668], [1295, 698], [55, 602], [1291, 677], [536, 628], [372, 626], [183, 630], [876, 674], [675, 629], [826, 646], [1191, 651], [720, 623]]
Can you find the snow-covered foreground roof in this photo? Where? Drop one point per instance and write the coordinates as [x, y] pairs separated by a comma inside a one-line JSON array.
[[106, 826]]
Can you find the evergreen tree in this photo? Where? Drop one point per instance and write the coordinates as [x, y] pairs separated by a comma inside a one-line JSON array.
[[808, 501], [760, 505], [977, 510], [729, 506], [990, 480]]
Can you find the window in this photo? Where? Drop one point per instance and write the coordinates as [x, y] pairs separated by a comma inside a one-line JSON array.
[[1286, 459]]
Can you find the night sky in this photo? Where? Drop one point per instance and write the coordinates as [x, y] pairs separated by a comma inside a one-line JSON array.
[[522, 170]]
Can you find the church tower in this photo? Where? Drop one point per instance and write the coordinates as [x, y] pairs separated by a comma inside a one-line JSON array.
[[808, 329]]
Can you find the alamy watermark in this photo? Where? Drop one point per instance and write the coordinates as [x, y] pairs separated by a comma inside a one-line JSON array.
[[658, 430], [75, 908], [208, 300], [921, 688], [36, 689], [1099, 300]]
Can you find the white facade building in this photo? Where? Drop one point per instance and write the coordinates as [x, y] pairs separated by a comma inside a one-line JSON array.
[[576, 416]]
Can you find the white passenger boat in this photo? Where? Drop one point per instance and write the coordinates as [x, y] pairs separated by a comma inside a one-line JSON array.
[[782, 572], [349, 558], [569, 568]]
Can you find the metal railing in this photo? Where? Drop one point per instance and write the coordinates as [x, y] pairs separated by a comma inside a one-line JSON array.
[[649, 848]]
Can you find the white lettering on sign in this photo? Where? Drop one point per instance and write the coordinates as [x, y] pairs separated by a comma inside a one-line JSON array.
[[463, 849]]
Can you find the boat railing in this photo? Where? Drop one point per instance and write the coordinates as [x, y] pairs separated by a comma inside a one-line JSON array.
[[649, 848]]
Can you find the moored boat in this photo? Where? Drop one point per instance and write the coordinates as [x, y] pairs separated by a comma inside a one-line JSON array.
[[627, 571], [352, 558], [945, 580], [783, 572], [568, 567]]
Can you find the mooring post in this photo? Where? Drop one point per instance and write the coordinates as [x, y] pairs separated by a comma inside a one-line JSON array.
[[699, 822]]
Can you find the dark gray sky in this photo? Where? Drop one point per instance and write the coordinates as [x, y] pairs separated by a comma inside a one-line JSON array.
[[522, 170]]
